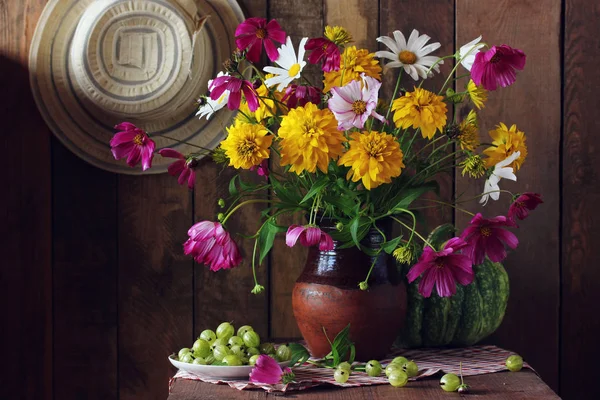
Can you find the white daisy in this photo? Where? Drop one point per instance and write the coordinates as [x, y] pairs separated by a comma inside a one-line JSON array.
[[468, 51], [501, 171], [211, 106], [291, 67], [411, 55]]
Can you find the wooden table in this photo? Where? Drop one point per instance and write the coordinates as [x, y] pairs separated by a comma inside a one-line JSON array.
[[502, 385]]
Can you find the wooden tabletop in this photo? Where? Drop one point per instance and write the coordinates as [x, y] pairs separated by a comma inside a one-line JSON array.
[[503, 385]]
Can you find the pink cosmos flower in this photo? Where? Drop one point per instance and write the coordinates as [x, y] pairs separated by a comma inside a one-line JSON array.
[[497, 66], [253, 33], [183, 167], [487, 237], [523, 204], [210, 244], [133, 143], [309, 235], [325, 49], [353, 105], [267, 370], [298, 96], [261, 169], [443, 269], [235, 86]]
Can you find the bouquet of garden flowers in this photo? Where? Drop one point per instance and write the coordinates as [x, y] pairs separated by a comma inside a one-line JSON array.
[[338, 150]]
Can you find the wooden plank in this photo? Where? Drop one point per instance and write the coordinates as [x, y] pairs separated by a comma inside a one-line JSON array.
[[531, 323], [26, 276], [85, 277], [298, 19], [499, 386], [225, 295], [581, 222], [155, 282], [436, 19]]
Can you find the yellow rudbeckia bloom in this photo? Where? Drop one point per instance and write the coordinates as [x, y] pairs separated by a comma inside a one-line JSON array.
[[374, 157], [353, 63], [477, 94], [420, 109], [309, 139], [505, 143], [246, 144]]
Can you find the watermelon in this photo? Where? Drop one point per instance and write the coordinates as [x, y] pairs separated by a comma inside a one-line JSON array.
[[473, 313]]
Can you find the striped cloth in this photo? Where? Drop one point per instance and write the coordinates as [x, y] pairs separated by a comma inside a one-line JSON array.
[[476, 360]]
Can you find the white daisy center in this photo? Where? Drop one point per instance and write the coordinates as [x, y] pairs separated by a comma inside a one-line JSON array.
[[294, 69], [407, 57]]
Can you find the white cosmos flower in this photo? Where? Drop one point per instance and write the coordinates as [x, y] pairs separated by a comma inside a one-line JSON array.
[[211, 106], [411, 55], [468, 51], [501, 171], [291, 66]]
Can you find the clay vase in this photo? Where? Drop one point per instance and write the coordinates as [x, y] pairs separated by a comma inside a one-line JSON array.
[[326, 295]]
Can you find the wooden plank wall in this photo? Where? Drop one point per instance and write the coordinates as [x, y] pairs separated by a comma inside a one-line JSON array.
[[94, 288]]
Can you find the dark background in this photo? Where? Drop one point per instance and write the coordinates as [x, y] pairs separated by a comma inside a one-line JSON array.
[[96, 293]]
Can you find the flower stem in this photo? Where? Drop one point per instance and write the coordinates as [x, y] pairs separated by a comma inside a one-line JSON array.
[[182, 142], [451, 205], [394, 95], [240, 205], [415, 231]]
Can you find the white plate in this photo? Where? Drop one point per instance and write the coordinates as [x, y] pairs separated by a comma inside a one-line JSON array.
[[217, 371]]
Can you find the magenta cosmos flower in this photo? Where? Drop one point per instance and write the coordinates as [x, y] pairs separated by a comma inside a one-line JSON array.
[[267, 370], [298, 96], [183, 167], [523, 204], [253, 33], [133, 143], [210, 244], [325, 50], [236, 87], [487, 237], [443, 269], [309, 235], [352, 104], [497, 66], [261, 169]]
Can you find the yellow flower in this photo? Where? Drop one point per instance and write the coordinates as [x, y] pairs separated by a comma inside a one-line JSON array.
[[246, 144], [421, 109], [474, 166], [505, 143], [266, 107], [373, 157], [477, 94], [338, 35], [310, 138], [468, 135], [353, 62]]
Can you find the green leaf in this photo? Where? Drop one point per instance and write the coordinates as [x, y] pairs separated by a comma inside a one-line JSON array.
[[315, 188], [289, 196], [361, 226], [233, 191], [341, 346], [405, 198], [267, 237], [391, 245], [299, 354], [352, 353]]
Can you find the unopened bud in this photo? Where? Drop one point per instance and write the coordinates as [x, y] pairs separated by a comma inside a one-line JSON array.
[[220, 216], [339, 226], [221, 203], [363, 285]]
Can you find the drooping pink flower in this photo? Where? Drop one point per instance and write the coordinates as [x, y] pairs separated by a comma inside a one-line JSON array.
[[298, 96], [236, 87], [487, 237], [523, 204], [261, 169], [497, 66], [184, 167], [133, 143], [324, 49], [253, 33], [442, 269], [267, 370], [309, 235], [210, 244], [353, 105]]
